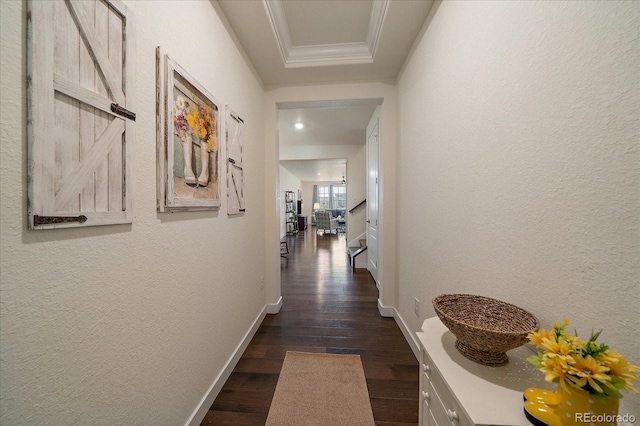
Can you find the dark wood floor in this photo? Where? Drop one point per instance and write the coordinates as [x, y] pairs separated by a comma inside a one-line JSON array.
[[329, 308]]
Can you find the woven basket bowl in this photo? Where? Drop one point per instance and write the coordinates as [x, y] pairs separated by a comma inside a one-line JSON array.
[[485, 328]]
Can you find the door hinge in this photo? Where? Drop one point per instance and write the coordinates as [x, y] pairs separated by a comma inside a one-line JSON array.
[[123, 112], [49, 220]]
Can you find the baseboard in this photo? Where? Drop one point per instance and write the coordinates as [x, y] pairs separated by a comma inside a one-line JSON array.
[[218, 383], [274, 308], [386, 311], [391, 312], [361, 261], [408, 335]]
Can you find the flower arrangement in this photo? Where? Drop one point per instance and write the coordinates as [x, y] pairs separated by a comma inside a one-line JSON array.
[[589, 365], [180, 126], [194, 119]]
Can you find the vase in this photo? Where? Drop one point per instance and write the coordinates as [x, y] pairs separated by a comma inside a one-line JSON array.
[[569, 406], [187, 154]]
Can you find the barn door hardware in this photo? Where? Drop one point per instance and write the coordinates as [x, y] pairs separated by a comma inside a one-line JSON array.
[[123, 111], [49, 220]]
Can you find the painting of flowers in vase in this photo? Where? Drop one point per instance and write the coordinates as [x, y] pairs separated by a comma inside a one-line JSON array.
[[188, 171]]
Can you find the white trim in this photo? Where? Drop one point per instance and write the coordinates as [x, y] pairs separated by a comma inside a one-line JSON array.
[[408, 335], [325, 54], [328, 54], [391, 312], [274, 308], [378, 12], [202, 408], [278, 20], [386, 311], [356, 241]]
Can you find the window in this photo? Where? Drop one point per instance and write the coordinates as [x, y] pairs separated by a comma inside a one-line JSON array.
[[323, 197], [331, 197], [339, 197]]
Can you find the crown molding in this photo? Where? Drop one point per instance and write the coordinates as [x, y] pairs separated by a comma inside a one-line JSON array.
[[325, 54]]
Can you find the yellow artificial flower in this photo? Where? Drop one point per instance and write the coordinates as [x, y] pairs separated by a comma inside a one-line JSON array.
[[588, 370], [574, 341], [553, 348], [620, 367], [211, 143], [536, 337], [555, 368], [193, 118], [585, 365], [564, 325]]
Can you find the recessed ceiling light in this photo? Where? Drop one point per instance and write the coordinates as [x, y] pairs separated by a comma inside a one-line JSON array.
[[299, 126]]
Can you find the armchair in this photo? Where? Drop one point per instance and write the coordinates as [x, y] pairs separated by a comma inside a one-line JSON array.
[[326, 222]]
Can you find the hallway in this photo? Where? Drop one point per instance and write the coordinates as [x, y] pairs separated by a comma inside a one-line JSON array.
[[329, 308]]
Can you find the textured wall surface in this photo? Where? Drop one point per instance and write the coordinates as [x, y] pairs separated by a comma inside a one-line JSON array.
[[356, 192], [128, 324], [519, 165]]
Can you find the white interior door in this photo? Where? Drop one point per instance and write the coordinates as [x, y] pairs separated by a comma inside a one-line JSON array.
[[372, 201]]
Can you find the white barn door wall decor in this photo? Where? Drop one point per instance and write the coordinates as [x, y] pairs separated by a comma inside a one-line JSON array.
[[188, 118], [81, 117], [235, 163]]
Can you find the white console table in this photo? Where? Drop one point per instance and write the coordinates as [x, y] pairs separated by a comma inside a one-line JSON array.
[[456, 391]]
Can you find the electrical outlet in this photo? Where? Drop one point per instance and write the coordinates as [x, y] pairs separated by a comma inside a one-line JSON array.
[[416, 306], [262, 283]]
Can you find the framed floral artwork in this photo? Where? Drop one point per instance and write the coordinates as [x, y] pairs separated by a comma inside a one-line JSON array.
[[188, 140]]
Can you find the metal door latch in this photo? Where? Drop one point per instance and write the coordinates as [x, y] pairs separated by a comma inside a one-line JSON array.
[[123, 111], [48, 220]]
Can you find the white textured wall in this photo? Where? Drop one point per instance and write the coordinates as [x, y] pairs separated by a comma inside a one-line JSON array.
[[356, 192], [128, 324], [519, 171], [307, 196]]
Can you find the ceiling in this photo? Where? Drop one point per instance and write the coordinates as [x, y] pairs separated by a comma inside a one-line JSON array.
[[328, 124], [322, 41], [316, 170], [325, 123], [304, 42]]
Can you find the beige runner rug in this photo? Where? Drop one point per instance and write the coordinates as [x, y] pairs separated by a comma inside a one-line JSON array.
[[321, 389]]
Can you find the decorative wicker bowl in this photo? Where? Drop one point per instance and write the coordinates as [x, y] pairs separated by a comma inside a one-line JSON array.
[[485, 328]]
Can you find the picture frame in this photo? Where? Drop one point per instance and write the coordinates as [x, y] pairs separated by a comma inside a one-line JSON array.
[[234, 128], [188, 140]]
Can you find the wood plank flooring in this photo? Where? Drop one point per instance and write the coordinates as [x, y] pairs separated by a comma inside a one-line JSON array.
[[328, 308]]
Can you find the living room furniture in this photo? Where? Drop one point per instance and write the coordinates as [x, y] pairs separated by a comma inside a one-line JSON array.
[[326, 222], [337, 213], [284, 248], [302, 222], [316, 207], [291, 221]]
